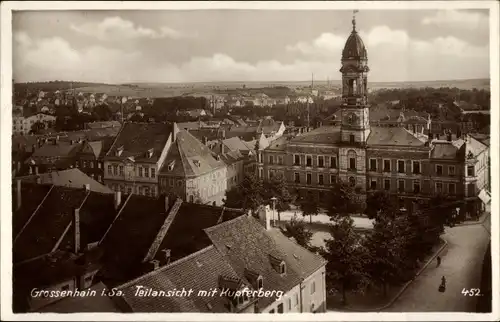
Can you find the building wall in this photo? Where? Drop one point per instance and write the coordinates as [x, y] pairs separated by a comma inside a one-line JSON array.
[[235, 174], [22, 125], [139, 178], [88, 164]]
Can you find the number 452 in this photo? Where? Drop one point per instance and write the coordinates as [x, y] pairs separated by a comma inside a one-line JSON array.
[[471, 292]]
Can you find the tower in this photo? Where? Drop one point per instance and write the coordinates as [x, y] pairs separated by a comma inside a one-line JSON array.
[[355, 126]]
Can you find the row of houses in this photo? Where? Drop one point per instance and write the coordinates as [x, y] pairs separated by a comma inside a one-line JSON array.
[[77, 250]]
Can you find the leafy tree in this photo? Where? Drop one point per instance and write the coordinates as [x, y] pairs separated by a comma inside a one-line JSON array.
[[442, 210], [37, 127], [248, 195], [342, 200], [386, 248], [347, 258], [380, 202], [309, 207], [103, 113], [296, 228], [278, 188]]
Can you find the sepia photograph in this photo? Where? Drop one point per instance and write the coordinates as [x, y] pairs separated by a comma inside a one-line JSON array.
[[221, 158]]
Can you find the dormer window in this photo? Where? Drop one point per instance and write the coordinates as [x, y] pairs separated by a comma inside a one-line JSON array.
[[197, 163], [260, 282], [150, 153], [119, 151], [171, 166], [282, 268]]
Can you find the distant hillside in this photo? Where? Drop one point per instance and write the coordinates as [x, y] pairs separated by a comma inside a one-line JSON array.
[[51, 86]]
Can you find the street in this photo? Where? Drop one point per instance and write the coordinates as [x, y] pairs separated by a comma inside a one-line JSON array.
[[461, 265]]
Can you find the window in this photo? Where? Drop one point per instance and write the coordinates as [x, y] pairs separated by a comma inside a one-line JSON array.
[[92, 175], [439, 170], [296, 159], [320, 179], [153, 173], [416, 186], [109, 169], [416, 167], [387, 184], [271, 174], [296, 302], [99, 178], [280, 308], [308, 161], [401, 166], [351, 138], [352, 163], [271, 159], [471, 189], [387, 165], [140, 171], [333, 179], [98, 165], [451, 188], [280, 160], [171, 182], [439, 187], [333, 162], [179, 183], [373, 164], [146, 172], [352, 181], [401, 185], [282, 268], [115, 170], [470, 171], [296, 177], [373, 184], [121, 170], [260, 282], [146, 191], [92, 164], [321, 161], [272, 311], [309, 177], [313, 287], [84, 163], [289, 304]]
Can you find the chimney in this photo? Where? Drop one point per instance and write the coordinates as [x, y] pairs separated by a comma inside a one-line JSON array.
[[86, 187], [118, 199], [155, 264], [167, 204], [204, 140], [36, 169], [222, 149], [18, 192], [76, 230], [167, 256], [265, 216]]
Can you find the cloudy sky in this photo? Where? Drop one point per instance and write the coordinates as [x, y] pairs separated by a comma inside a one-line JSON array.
[[246, 45]]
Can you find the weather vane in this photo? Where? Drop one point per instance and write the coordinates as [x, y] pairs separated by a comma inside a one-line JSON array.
[[354, 19]]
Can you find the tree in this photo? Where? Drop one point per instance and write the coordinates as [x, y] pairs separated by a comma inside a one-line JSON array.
[[103, 113], [296, 228], [386, 248], [442, 210], [342, 200], [247, 196], [278, 188], [37, 127], [347, 258], [380, 202], [309, 207]]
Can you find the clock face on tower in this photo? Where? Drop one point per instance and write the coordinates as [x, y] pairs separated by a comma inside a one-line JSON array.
[[351, 118]]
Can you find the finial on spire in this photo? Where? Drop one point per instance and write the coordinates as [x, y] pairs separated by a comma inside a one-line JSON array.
[[354, 19]]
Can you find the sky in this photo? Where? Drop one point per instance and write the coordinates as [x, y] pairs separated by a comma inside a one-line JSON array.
[[246, 45]]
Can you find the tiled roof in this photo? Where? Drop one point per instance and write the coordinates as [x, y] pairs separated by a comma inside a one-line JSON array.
[[31, 196], [186, 234], [392, 136], [48, 224], [324, 135], [247, 246], [103, 124], [73, 178], [131, 235], [200, 271], [235, 144], [190, 125], [137, 138], [475, 146], [192, 158], [444, 150], [96, 216], [278, 144], [60, 149], [231, 157], [83, 304], [96, 147]]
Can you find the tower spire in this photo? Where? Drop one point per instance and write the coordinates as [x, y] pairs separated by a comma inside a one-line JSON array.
[[354, 20]]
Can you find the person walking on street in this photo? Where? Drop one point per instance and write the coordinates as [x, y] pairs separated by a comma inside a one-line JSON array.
[[438, 261]]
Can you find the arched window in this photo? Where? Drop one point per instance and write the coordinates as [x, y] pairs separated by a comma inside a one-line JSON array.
[[351, 86], [352, 181]]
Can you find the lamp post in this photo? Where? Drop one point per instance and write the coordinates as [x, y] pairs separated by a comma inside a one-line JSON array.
[[273, 199]]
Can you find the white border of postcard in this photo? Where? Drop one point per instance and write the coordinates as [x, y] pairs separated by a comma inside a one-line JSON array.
[[5, 159]]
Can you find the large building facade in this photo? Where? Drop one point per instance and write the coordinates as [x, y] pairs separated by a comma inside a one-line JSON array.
[[403, 161]]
